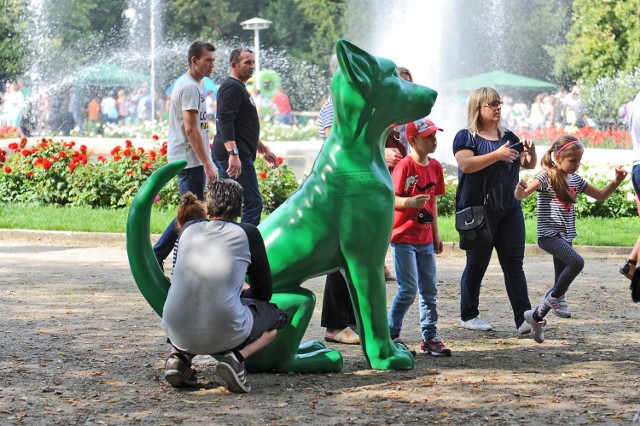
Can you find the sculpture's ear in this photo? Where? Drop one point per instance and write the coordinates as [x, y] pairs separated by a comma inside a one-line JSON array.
[[357, 65]]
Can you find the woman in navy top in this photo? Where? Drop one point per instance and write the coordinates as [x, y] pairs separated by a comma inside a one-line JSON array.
[[483, 155]]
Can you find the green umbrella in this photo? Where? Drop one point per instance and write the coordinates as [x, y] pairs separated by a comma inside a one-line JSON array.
[[107, 74], [498, 79]]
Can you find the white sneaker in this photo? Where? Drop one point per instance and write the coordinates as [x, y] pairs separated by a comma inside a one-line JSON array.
[[476, 323], [525, 329], [558, 305]]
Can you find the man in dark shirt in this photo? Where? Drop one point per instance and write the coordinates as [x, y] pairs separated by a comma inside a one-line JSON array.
[[238, 134]]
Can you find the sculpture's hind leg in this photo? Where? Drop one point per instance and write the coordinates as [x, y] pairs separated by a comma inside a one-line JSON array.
[[285, 354], [368, 295]]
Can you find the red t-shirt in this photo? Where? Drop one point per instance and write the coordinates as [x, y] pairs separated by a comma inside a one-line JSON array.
[[282, 103], [411, 225]]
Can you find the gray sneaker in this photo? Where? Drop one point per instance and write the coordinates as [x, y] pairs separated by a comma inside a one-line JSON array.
[[233, 372], [476, 323], [537, 328], [524, 330], [179, 373], [558, 305]]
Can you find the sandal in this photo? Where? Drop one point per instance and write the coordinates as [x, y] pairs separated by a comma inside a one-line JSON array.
[[387, 275], [345, 336]]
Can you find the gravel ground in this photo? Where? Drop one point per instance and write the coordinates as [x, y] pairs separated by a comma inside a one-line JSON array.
[[81, 346]]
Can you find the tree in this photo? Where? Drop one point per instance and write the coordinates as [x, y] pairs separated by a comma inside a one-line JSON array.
[[200, 19], [12, 44], [604, 39]]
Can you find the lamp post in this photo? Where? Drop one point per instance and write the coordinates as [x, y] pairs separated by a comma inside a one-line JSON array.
[[256, 24]]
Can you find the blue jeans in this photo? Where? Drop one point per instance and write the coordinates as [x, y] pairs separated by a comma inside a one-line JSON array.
[[251, 198], [507, 227], [415, 266], [189, 180]]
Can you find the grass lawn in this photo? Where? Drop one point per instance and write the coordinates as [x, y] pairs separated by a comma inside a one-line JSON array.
[[591, 231]]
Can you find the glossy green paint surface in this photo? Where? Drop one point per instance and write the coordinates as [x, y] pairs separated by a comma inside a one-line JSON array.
[[339, 219]]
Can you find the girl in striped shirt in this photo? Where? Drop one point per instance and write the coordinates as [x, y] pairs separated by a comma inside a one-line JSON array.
[[558, 186]]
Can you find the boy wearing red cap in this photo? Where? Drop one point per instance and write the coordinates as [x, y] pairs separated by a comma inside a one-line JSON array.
[[417, 180]]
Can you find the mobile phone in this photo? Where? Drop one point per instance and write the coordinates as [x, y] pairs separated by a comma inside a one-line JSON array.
[[515, 142]]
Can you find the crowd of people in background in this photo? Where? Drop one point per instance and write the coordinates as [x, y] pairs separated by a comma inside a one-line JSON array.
[[560, 109], [36, 112]]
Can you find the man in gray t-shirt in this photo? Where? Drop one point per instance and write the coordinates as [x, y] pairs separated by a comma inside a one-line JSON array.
[[206, 311], [189, 135]]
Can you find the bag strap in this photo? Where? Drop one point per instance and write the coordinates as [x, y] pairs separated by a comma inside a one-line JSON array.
[[488, 181]]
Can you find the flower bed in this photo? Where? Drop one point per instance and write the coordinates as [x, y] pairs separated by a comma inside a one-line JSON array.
[[61, 173], [610, 139]]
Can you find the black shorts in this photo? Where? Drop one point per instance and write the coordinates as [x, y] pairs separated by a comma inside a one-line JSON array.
[[266, 317]]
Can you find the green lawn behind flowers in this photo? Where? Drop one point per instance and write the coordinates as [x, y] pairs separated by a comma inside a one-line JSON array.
[[591, 231]]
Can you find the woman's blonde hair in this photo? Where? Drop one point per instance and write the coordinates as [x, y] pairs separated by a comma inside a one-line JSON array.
[[561, 147], [190, 209], [481, 96]]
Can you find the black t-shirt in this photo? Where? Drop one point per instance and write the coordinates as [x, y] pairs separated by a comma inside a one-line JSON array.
[[236, 120], [474, 185]]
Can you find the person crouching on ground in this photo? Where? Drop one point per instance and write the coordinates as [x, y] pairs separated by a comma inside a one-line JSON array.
[[206, 312]]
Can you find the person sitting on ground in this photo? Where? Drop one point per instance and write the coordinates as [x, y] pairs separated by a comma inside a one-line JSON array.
[[190, 209], [205, 312]]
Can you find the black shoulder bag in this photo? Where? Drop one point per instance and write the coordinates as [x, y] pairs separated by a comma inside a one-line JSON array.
[[472, 222]]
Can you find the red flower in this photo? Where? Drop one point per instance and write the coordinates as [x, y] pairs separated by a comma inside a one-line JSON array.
[[140, 150], [128, 143], [72, 166], [146, 165], [3, 158], [44, 145], [155, 137], [62, 154], [23, 142], [83, 148], [69, 144], [262, 175], [102, 159], [25, 152], [117, 158], [82, 159], [46, 164], [152, 155], [54, 158], [280, 160], [29, 173], [116, 150], [37, 161], [126, 152], [7, 169], [163, 150], [130, 172], [34, 150], [13, 146]]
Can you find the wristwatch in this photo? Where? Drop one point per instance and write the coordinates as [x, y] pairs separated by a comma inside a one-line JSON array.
[[234, 151]]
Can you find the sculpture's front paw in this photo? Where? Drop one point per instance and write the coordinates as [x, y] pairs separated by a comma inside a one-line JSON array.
[[395, 357]]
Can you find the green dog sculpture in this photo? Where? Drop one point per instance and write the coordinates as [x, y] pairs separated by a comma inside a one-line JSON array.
[[340, 218]]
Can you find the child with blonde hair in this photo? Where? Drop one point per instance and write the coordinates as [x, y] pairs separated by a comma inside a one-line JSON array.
[[558, 186]]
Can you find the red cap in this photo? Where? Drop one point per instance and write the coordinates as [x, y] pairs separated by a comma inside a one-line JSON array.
[[422, 128]]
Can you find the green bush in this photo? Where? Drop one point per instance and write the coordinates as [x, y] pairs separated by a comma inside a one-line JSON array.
[[276, 185]]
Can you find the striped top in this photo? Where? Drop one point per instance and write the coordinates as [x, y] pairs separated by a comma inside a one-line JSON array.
[[554, 216], [325, 117]]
